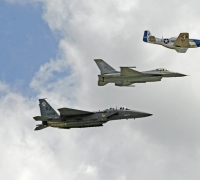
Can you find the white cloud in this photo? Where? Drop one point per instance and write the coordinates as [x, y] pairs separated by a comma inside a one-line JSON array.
[[165, 146]]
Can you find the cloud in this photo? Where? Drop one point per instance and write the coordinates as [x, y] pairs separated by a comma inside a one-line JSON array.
[[164, 146]]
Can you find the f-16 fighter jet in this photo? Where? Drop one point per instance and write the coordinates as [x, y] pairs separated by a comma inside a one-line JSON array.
[[73, 118], [128, 76], [180, 43]]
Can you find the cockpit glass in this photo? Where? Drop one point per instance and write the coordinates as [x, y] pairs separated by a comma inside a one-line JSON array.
[[124, 108], [161, 69]]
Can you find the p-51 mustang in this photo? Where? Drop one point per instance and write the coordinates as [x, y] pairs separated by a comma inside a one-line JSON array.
[[128, 76], [73, 118], [180, 43]]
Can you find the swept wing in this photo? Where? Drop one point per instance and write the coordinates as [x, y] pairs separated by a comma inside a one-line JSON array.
[[125, 71], [73, 112]]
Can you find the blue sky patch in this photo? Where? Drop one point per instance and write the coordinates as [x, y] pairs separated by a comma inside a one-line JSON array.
[[26, 42]]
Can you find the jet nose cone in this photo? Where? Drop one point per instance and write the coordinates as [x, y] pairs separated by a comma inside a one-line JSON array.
[[147, 114], [180, 75], [143, 114]]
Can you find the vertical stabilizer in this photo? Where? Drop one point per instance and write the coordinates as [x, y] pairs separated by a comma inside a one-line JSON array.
[[148, 37], [46, 109], [104, 67]]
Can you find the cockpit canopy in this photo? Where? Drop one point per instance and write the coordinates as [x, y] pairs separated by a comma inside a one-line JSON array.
[[161, 69], [124, 108], [121, 108]]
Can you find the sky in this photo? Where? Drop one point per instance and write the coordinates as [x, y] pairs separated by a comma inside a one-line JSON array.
[[47, 51], [24, 45]]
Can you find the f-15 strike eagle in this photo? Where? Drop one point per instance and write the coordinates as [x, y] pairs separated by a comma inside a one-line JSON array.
[[180, 43], [73, 118], [128, 76]]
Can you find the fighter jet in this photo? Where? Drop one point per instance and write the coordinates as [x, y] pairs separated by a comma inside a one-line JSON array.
[[73, 118], [128, 76], [180, 43]]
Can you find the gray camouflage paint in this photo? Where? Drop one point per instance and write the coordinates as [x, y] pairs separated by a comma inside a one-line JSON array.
[[49, 117], [110, 75]]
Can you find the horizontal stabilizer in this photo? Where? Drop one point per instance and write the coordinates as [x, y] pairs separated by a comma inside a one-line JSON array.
[[42, 118], [40, 127], [72, 112], [100, 83], [125, 71], [152, 39]]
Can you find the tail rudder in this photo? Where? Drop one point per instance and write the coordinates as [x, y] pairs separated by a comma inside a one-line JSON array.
[[147, 33], [104, 67], [46, 109]]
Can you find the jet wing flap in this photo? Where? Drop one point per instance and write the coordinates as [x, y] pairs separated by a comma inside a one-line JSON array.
[[125, 71], [42, 118], [72, 112], [182, 40]]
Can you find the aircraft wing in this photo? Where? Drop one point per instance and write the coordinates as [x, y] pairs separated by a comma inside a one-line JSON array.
[[72, 112], [112, 114], [125, 71], [182, 40]]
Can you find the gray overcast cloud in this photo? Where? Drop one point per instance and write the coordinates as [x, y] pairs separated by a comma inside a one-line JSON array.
[[163, 146]]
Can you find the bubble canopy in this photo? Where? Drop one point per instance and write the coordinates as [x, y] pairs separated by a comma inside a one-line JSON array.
[[121, 108], [161, 69]]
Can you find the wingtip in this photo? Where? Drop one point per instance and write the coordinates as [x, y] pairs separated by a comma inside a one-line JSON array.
[[98, 60]]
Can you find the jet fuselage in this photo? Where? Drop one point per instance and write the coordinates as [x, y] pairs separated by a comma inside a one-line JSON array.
[[74, 118], [169, 42], [146, 76], [96, 119]]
